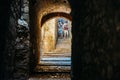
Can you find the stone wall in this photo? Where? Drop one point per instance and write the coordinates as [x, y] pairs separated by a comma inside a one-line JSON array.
[[22, 47], [96, 39], [11, 14], [25, 10], [15, 43]]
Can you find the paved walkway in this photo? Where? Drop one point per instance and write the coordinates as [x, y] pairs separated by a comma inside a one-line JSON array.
[[58, 60], [51, 76], [59, 56]]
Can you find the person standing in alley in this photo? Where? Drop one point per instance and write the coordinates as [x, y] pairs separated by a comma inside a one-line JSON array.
[[65, 29], [60, 30]]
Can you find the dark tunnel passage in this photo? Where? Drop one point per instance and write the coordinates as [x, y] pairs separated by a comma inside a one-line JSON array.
[[95, 50]]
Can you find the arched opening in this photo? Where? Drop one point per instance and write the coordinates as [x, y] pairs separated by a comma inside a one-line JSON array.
[[47, 14], [46, 17], [55, 14], [55, 42]]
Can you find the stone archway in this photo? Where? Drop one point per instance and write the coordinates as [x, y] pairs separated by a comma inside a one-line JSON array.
[[40, 11], [55, 16], [55, 52]]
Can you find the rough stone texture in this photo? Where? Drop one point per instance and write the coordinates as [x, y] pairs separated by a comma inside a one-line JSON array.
[[22, 51], [25, 10], [96, 39], [9, 24], [95, 42], [14, 44], [51, 76], [22, 47]]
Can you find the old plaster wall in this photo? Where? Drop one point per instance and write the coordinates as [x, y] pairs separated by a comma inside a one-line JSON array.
[[49, 35]]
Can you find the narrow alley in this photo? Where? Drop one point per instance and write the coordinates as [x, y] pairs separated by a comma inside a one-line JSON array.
[[60, 40]]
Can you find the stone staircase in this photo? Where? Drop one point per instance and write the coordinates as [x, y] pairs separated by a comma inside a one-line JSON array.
[[58, 60], [63, 48]]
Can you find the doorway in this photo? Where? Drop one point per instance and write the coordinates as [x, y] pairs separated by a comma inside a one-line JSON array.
[[55, 46]]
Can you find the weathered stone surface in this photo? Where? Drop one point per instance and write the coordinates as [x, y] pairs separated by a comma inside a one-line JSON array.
[[51, 76], [15, 47], [95, 42], [22, 52]]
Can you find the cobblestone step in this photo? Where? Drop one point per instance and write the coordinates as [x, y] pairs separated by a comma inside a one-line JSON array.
[[51, 76], [45, 68]]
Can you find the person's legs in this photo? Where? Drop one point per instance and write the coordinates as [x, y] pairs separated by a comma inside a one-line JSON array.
[[61, 34], [64, 33], [67, 33]]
